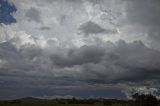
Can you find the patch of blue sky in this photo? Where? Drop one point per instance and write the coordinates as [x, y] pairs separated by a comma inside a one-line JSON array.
[[6, 10]]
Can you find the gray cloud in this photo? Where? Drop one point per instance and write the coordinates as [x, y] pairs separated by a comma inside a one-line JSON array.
[[119, 62], [145, 13], [107, 63], [33, 14], [93, 28], [74, 1], [45, 28], [79, 56]]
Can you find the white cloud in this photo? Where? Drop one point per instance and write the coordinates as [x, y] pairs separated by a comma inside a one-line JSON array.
[[141, 90]]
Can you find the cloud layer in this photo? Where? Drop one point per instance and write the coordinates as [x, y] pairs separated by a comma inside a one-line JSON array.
[[66, 47]]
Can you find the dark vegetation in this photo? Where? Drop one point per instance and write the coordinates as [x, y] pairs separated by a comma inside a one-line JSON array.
[[138, 100]]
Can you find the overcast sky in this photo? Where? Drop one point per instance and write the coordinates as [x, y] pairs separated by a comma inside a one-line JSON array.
[[82, 48]]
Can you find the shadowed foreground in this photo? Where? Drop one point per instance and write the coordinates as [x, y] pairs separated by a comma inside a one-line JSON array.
[[138, 100]]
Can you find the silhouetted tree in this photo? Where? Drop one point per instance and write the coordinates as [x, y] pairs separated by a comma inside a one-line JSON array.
[[145, 100]]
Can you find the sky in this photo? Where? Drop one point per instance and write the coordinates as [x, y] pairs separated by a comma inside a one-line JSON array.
[[79, 48]]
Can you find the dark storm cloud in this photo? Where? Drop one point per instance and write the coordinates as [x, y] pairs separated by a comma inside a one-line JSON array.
[[128, 62], [33, 14], [93, 28], [119, 63], [67, 69], [30, 52], [9, 66], [125, 62], [79, 56]]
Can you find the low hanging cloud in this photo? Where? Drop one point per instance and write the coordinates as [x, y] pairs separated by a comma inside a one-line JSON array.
[[141, 90]]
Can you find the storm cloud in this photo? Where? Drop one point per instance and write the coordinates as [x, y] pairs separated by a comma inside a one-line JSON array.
[[80, 48]]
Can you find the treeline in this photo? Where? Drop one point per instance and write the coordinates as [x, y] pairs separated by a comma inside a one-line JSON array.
[[138, 100], [75, 101], [90, 101], [145, 100]]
